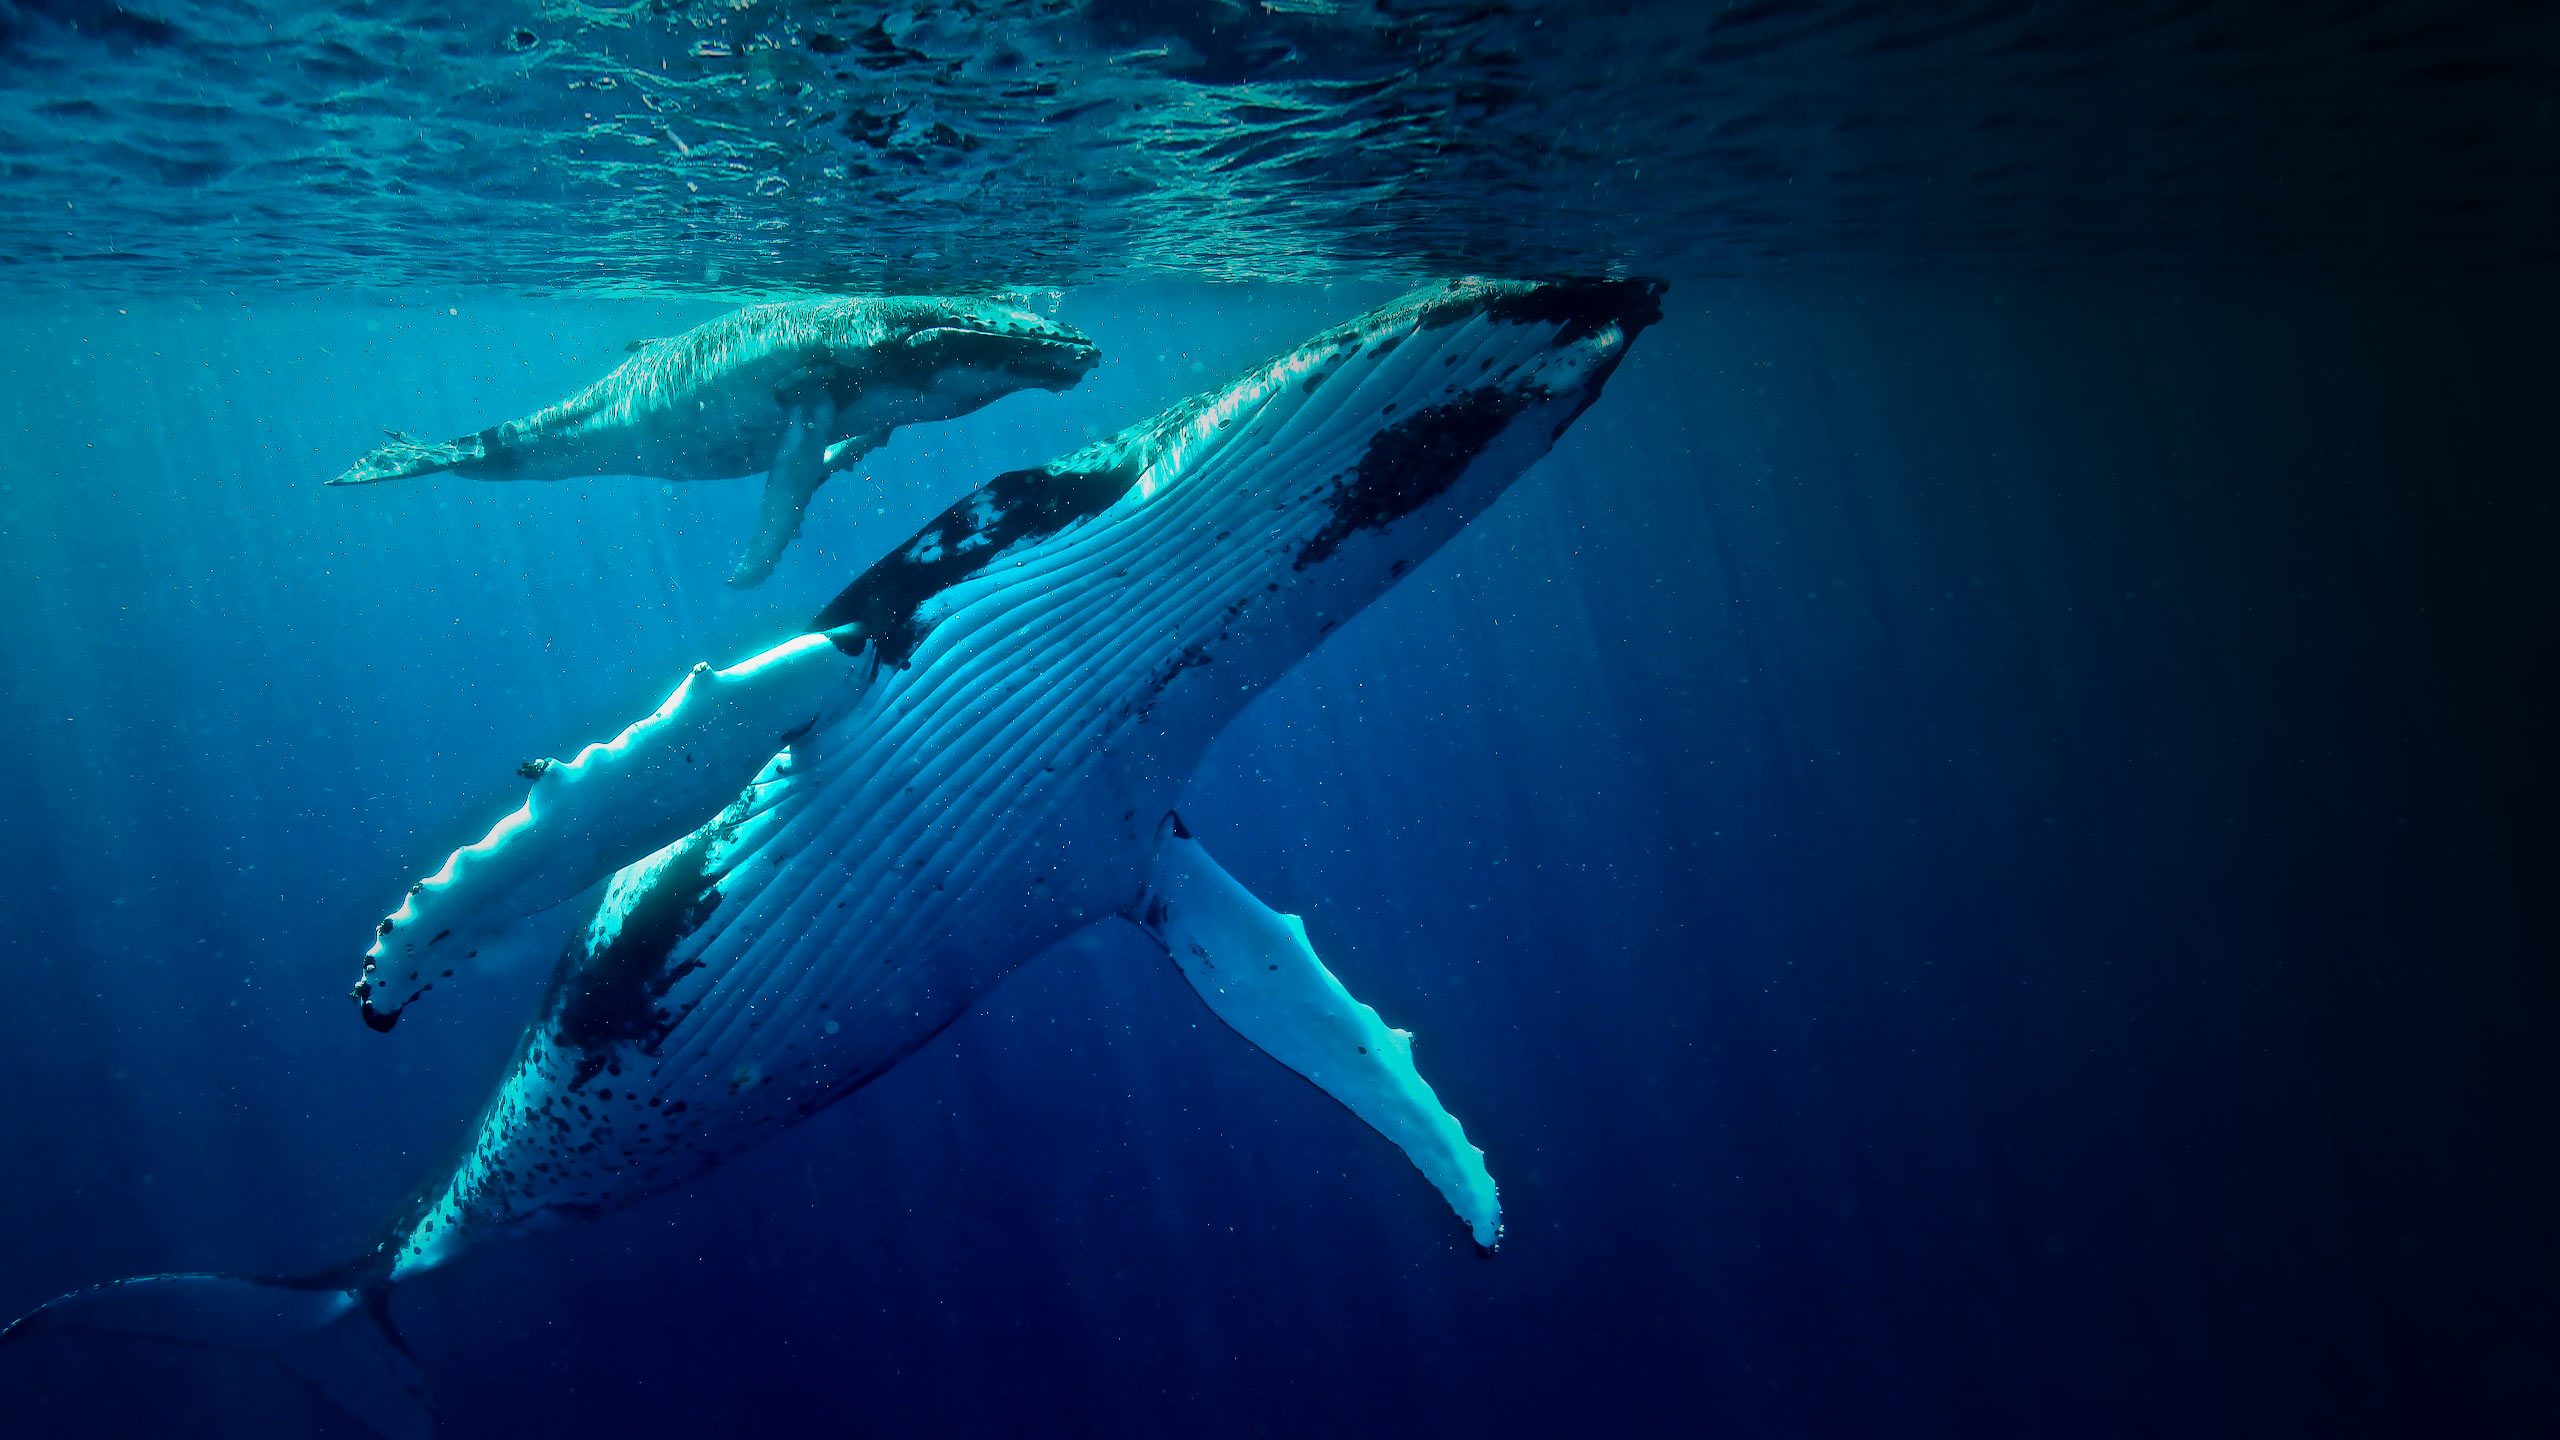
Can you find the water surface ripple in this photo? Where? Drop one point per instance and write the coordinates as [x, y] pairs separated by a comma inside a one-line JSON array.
[[735, 144]]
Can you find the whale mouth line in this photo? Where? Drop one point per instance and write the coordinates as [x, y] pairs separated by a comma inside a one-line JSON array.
[[1050, 342], [1054, 363]]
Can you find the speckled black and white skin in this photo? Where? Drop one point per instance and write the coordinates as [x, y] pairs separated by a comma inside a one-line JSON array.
[[974, 753], [798, 390]]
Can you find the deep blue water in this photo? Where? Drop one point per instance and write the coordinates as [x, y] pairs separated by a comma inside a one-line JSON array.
[[1976, 855], [1975, 845]]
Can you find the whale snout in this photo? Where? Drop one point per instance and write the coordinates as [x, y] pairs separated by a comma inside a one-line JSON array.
[[1056, 363], [1015, 344]]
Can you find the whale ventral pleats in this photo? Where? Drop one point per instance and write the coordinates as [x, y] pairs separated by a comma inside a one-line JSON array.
[[609, 996], [1408, 464], [1017, 506]]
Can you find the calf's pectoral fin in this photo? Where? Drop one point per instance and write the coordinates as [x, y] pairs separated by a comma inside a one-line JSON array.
[[843, 453], [799, 467], [408, 455], [1256, 971]]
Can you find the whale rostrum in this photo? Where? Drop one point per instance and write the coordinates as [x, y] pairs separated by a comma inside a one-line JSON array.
[[802, 866], [797, 389]]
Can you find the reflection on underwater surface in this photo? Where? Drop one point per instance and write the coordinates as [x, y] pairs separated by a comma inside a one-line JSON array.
[[738, 145], [1967, 854]]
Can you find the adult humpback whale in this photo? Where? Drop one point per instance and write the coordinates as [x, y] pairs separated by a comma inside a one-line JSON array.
[[799, 390], [820, 856]]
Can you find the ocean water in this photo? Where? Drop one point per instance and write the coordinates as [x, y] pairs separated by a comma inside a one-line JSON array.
[[1973, 845]]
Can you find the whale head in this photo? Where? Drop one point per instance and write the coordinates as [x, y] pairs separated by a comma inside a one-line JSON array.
[[961, 345]]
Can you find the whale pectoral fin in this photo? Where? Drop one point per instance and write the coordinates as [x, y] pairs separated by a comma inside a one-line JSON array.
[[844, 452], [1256, 971], [408, 455], [799, 467], [698, 754]]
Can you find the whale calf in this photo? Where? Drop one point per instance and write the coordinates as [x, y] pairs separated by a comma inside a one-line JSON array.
[[798, 389], [816, 858]]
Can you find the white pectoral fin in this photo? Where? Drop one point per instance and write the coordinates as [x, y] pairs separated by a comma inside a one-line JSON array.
[[1256, 971], [800, 466], [853, 447], [617, 801]]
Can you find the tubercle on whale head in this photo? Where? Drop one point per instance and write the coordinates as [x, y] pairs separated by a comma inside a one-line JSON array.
[[1060, 366], [1004, 339], [1581, 307], [1042, 362]]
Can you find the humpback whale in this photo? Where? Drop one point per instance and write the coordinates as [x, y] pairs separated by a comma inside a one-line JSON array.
[[802, 866], [798, 389]]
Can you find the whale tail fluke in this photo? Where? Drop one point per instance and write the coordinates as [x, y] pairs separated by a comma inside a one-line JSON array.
[[329, 1331], [408, 455]]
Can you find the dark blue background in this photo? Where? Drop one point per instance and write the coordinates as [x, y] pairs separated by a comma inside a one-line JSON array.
[[1977, 857]]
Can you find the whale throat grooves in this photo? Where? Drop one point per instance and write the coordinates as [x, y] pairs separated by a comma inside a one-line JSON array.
[[1017, 507], [1409, 464], [612, 994]]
